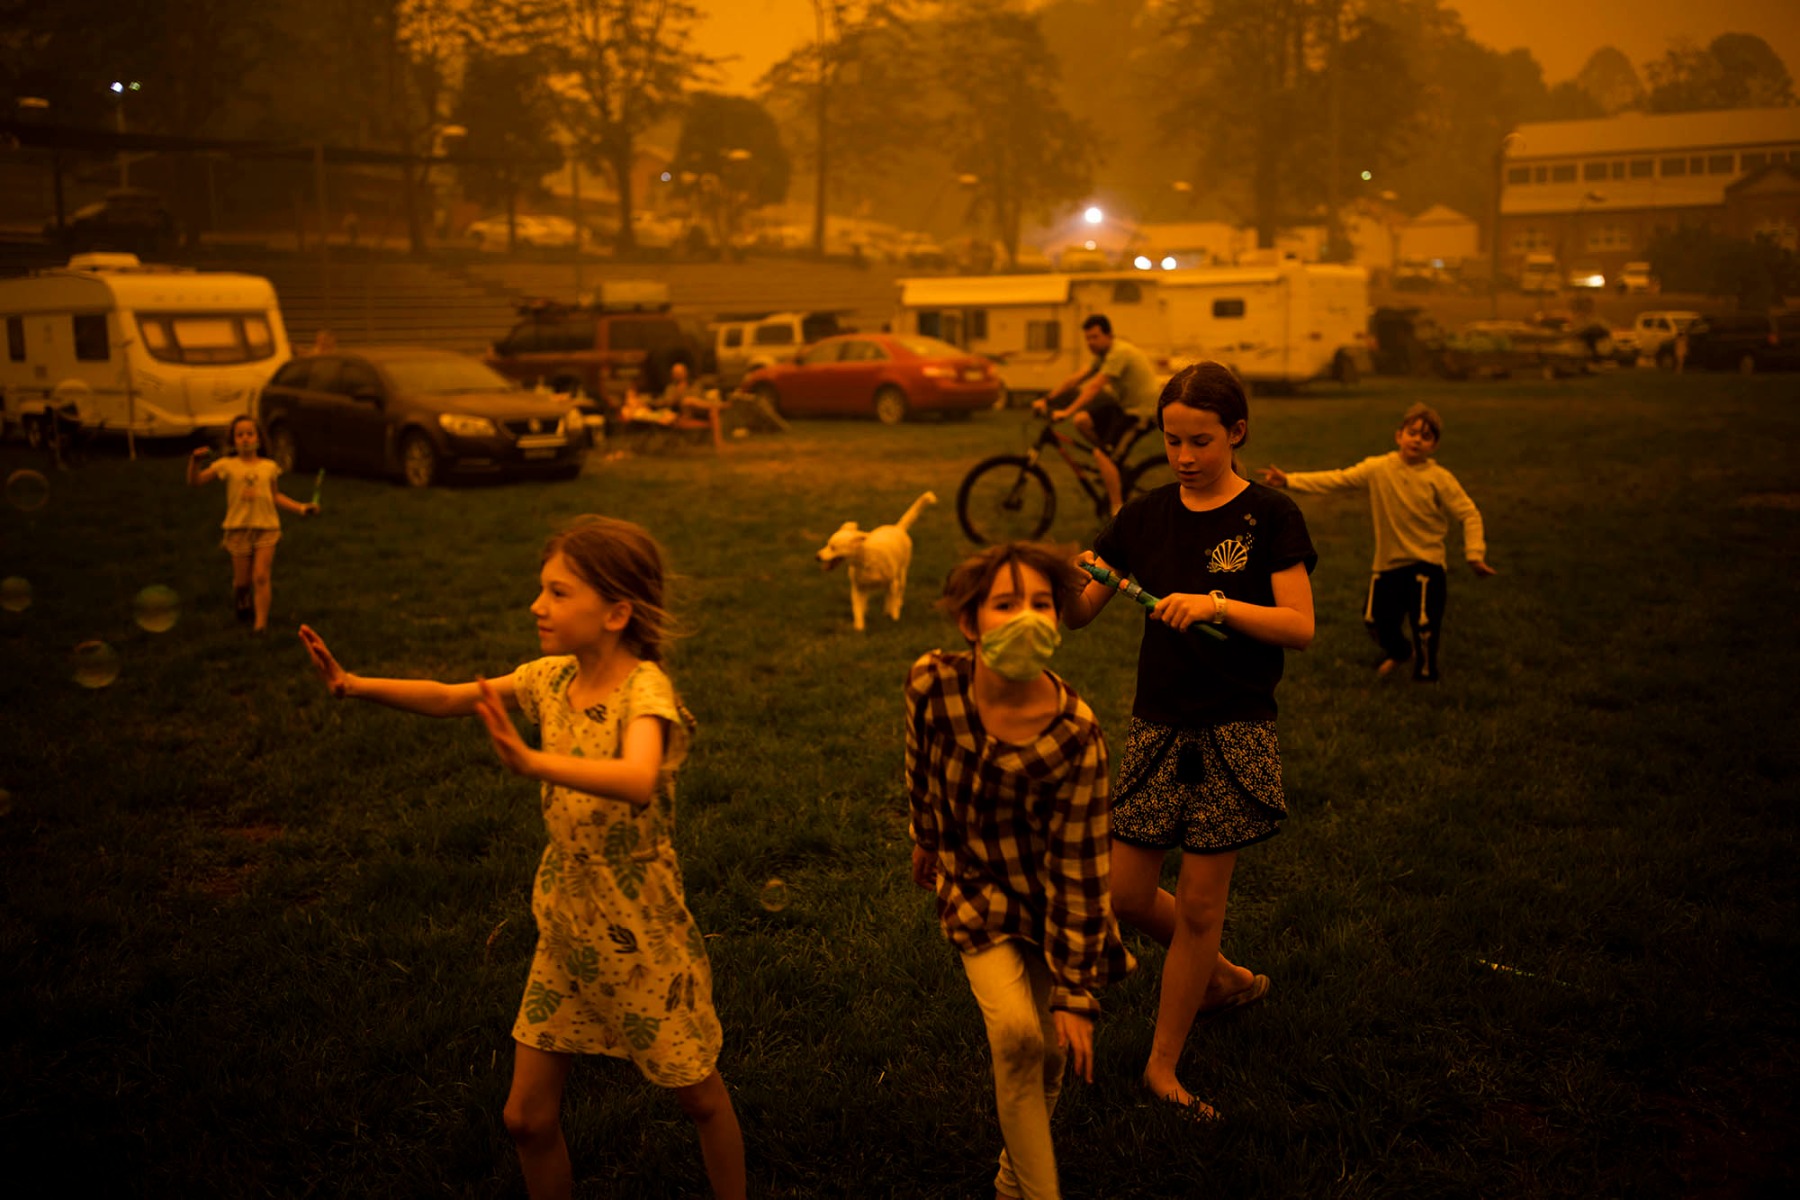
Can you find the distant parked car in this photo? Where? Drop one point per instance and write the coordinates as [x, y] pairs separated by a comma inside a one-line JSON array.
[[887, 376], [422, 414], [1082, 258], [1655, 333], [128, 219], [1746, 342], [1634, 279], [1538, 273], [489, 233]]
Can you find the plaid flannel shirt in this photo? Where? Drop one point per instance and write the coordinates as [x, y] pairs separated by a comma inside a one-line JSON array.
[[1022, 833]]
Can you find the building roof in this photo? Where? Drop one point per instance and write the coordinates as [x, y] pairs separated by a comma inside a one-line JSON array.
[[1636, 132], [1439, 214]]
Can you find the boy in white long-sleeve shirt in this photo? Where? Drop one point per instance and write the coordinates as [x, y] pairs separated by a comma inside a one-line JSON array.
[[1413, 501]]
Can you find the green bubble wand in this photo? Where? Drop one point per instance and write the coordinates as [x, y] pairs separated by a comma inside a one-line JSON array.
[[1112, 579], [318, 486]]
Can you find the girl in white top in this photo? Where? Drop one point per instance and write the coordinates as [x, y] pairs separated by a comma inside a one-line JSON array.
[[252, 526], [621, 967]]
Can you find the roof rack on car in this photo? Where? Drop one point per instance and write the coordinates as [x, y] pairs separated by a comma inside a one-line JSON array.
[[611, 296]]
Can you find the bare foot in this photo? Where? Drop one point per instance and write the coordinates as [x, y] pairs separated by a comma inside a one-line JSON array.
[[1226, 982], [1386, 666], [1170, 1089]]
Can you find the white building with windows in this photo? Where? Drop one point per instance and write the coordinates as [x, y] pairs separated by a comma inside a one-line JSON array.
[[1597, 191]]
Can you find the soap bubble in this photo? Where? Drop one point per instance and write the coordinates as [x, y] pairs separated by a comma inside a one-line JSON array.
[[15, 594], [96, 664], [156, 609], [774, 896], [27, 490]]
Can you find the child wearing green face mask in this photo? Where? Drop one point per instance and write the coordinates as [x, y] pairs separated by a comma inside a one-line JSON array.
[[1021, 880]]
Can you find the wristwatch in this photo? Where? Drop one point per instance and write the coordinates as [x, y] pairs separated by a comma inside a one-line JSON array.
[[1218, 599]]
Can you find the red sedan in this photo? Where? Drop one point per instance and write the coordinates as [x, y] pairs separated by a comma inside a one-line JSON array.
[[887, 375]]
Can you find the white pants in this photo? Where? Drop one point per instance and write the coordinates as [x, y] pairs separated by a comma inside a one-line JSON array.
[[1012, 985]]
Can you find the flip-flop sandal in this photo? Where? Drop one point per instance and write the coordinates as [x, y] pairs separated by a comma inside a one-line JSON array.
[[1259, 987]]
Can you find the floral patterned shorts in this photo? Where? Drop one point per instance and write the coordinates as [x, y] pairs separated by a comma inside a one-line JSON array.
[[1208, 790]]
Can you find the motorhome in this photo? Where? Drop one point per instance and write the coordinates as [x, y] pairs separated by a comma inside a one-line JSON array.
[[153, 351], [1282, 324], [1030, 325]]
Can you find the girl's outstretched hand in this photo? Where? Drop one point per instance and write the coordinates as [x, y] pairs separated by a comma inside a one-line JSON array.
[[514, 754], [1273, 475], [335, 677]]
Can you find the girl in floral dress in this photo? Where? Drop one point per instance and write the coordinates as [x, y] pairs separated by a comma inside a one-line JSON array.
[[620, 967]]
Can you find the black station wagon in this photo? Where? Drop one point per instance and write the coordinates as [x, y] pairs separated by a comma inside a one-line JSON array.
[[417, 413]]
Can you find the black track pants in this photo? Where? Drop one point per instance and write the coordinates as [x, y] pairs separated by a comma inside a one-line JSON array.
[[1413, 594]]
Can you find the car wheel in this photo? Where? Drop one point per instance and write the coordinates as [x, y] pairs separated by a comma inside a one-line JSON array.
[[418, 460], [284, 449], [890, 405], [1747, 365]]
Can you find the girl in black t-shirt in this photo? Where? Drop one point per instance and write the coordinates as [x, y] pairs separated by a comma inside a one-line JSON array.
[[1201, 769]]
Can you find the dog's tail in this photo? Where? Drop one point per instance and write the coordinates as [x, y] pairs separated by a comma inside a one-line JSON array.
[[918, 506]]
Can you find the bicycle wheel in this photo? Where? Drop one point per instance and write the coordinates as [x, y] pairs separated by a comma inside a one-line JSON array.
[[1005, 498], [1147, 476]]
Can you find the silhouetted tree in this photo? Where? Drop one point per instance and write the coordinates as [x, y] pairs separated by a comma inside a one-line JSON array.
[[845, 101], [1611, 80], [1007, 128], [510, 145], [1735, 70], [617, 68]]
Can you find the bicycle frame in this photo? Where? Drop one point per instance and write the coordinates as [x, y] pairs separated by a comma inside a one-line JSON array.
[[1086, 474]]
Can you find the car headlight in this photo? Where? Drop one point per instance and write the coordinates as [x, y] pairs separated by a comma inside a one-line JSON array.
[[466, 426]]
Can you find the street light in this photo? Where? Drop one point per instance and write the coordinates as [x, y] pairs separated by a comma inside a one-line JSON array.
[[1093, 216], [119, 88]]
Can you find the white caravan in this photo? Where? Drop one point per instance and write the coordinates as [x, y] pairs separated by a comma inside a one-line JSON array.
[[1282, 324], [149, 350], [1030, 325]]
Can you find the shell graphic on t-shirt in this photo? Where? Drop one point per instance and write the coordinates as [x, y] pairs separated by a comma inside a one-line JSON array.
[[1232, 555]]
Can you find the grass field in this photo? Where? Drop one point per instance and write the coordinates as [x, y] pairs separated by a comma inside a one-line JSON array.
[[255, 942]]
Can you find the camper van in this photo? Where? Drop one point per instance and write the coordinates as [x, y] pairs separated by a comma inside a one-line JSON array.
[[1281, 324], [151, 350], [1030, 325], [1284, 323]]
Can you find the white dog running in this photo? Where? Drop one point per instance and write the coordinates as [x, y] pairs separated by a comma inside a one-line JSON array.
[[878, 559]]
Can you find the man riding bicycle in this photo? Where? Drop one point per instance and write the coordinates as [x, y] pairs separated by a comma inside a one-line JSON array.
[[1106, 399]]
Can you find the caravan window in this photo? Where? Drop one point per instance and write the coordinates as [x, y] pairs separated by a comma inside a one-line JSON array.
[[15, 338], [1043, 335], [91, 343], [974, 325], [1223, 309], [930, 323], [216, 338]]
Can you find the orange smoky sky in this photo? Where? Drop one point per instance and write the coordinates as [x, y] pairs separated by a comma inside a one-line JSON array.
[[750, 36]]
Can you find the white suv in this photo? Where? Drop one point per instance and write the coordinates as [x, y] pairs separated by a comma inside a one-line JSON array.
[[746, 343]]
